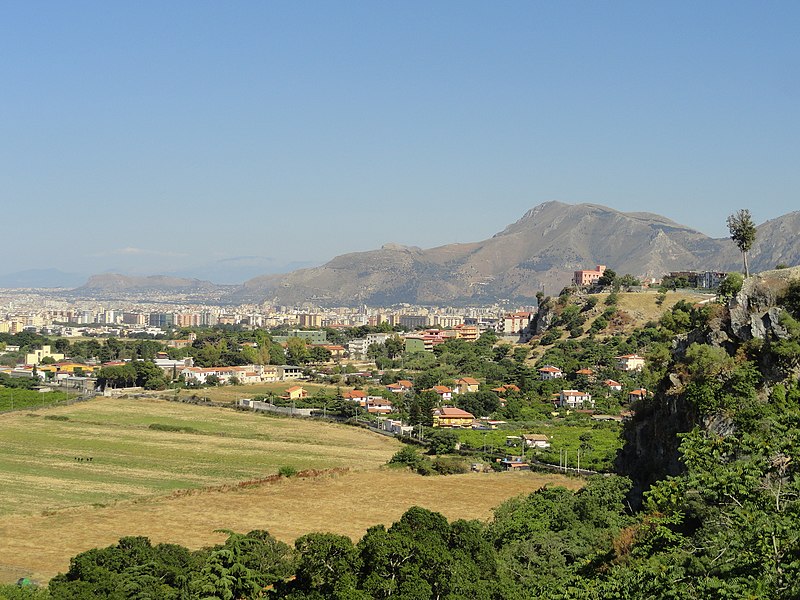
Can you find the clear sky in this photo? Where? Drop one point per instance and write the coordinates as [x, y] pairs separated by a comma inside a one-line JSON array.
[[159, 137]]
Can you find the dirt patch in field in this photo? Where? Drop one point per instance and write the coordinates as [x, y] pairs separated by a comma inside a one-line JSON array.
[[341, 502]]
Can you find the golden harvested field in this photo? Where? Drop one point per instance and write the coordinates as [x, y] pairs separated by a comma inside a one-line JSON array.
[[181, 486]]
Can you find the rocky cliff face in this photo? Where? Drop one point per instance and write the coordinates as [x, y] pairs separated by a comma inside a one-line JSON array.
[[651, 437]]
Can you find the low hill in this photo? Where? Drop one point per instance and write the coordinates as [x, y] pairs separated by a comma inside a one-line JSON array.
[[115, 285]]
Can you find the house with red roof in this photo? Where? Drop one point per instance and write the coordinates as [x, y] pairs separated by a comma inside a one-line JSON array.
[[466, 385], [550, 372], [449, 416], [400, 387], [295, 393], [630, 362], [635, 395], [444, 392]]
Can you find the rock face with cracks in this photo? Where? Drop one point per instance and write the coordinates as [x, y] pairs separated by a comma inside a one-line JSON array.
[[652, 444]]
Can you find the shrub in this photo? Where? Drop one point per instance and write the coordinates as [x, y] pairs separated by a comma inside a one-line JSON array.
[[287, 471], [550, 337], [731, 285], [409, 457], [450, 465]]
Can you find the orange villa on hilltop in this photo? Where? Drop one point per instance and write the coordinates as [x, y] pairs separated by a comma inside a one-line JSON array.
[[589, 276]]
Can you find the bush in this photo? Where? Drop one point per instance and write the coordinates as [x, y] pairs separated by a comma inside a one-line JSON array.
[[406, 456], [551, 337], [287, 471], [442, 441], [599, 324], [450, 465], [731, 285], [409, 457]]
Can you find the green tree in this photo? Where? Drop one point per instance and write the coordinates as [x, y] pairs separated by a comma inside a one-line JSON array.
[[62, 346], [296, 351], [608, 277], [442, 441], [394, 346], [318, 354], [730, 286], [328, 564], [743, 233]]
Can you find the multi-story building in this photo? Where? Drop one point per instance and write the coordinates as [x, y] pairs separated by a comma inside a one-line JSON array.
[[468, 333], [588, 276], [575, 399], [515, 322], [310, 320], [448, 416], [447, 321], [35, 357], [413, 321]]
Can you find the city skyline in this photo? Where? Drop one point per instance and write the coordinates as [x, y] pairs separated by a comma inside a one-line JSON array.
[[160, 139]]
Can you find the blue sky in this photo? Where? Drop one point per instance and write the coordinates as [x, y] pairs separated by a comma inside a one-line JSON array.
[[158, 137]]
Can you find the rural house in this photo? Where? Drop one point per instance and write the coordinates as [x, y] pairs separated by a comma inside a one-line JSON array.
[[449, 416]]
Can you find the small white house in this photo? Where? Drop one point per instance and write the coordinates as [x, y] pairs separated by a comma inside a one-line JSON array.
[[575, 399]]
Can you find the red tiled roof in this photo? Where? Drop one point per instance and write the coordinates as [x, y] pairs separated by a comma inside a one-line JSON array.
[[453, 412]]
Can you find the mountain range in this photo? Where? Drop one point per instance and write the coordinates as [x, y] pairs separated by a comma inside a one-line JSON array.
[[539, 252]]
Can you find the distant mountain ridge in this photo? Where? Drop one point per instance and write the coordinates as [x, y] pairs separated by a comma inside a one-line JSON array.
[[538, 252], [115, 282], [41, 278], [114, 286]]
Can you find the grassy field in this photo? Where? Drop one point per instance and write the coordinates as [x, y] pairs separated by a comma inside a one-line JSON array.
[[44, 459], [53, 506], [641, 307], [15, 399]]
